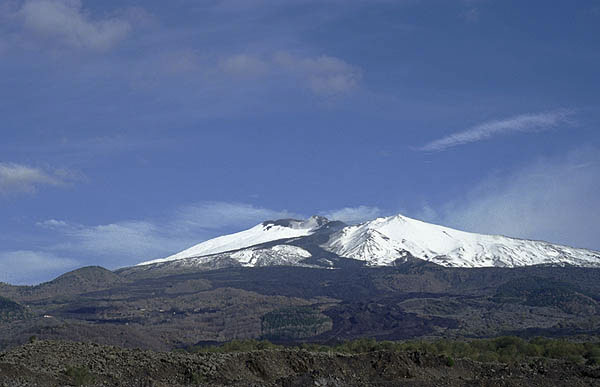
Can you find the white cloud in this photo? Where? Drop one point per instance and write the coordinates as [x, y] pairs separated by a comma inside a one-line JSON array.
[[532, 122], [324, 75], [554, 200], [354, 215], [53, 224], [17, 178], [67, 23], [29, 267]]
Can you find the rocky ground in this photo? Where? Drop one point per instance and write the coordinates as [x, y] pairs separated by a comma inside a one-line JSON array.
[[58, 363]]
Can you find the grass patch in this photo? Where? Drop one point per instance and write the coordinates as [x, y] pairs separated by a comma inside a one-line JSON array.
[[294, 323], [506, 349]]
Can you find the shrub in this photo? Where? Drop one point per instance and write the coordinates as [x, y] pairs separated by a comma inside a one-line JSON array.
[[80, 376]]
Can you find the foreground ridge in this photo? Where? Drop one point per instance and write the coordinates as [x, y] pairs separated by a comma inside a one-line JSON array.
[[49, 363]]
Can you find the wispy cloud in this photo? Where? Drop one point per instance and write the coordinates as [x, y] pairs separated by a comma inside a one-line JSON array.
[[354, 215], [244, 65], [17, 178], [323, 75], [531, 122]]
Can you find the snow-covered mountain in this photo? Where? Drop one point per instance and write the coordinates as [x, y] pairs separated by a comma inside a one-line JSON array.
[[379, 242], [383, 240], [265, 232]]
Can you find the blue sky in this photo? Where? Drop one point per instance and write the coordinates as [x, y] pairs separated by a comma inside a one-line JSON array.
[[134, 129]]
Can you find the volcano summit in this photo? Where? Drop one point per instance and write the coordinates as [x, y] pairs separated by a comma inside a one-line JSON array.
[[379, 242]]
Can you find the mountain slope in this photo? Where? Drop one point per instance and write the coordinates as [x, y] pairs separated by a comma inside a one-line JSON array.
[[82, 280], [262, 233], [383, 240]]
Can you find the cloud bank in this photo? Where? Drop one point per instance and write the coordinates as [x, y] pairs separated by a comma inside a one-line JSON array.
[[557, 200], [532, 122]]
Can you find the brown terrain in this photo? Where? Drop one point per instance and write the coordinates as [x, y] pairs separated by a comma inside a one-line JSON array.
[[55, 363], [116, 313]]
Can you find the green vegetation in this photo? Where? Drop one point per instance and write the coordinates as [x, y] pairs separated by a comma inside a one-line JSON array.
[[196, 379], [80, 376], [10, 310], [510, 349], [507, 349], [294, 323]]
